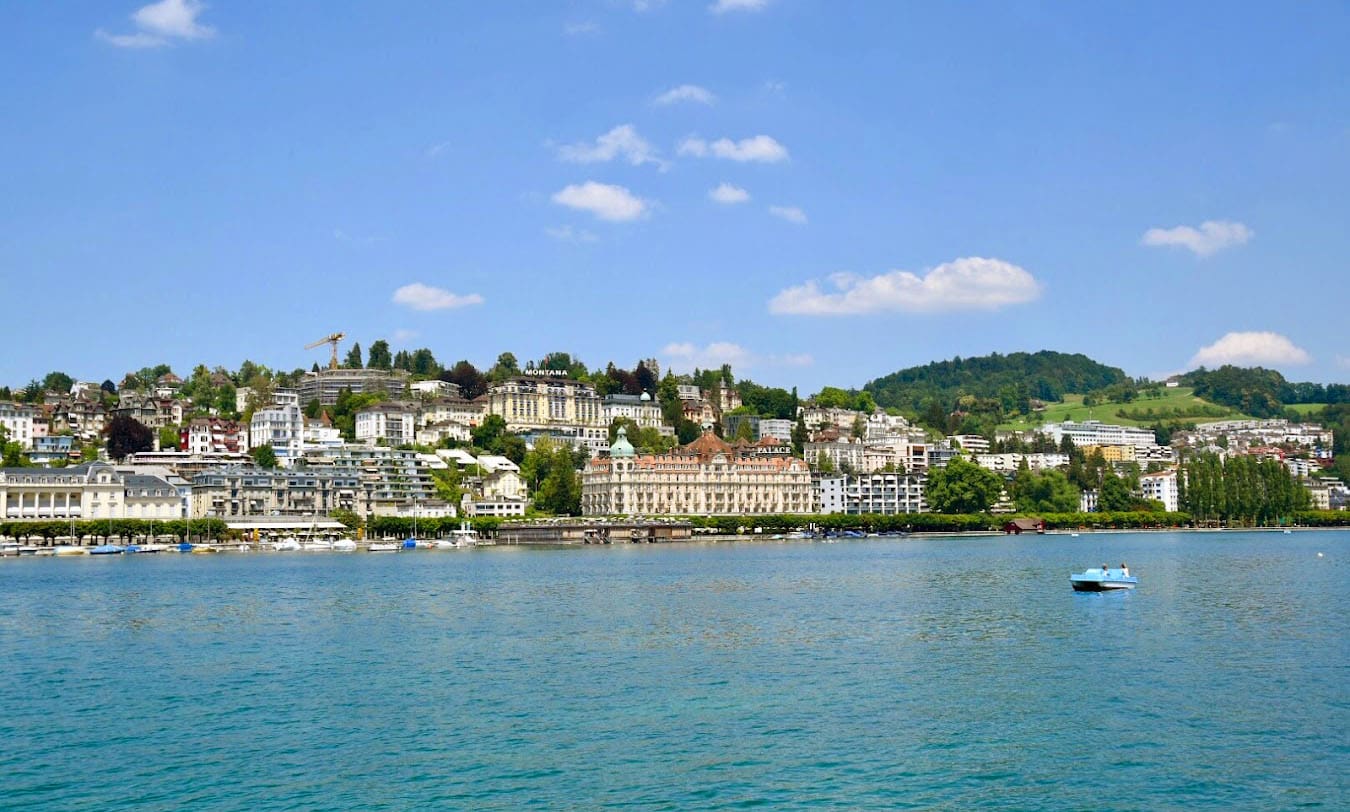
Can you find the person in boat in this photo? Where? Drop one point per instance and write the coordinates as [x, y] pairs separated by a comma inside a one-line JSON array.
[[1124, 570], [1103, 569]]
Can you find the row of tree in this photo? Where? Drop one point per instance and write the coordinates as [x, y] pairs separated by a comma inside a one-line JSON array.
[[1240, 489]]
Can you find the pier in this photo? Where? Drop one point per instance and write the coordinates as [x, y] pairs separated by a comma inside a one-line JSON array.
[[581, 532]]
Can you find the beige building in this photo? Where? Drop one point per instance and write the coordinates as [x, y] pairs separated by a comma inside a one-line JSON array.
[[566, 410], [705, 477]]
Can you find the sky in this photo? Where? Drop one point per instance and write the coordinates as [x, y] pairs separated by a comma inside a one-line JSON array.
[[817, 193]]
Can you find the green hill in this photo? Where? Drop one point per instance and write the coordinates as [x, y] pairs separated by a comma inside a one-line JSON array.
[[1012, 379], [1171, 407]]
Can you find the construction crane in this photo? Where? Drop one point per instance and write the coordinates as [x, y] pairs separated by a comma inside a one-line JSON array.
[[332, 339]]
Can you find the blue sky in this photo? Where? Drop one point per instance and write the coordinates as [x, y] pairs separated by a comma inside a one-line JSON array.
[[818, 193]]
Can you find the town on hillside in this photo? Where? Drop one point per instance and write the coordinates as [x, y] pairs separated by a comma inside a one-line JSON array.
[[398, 435]]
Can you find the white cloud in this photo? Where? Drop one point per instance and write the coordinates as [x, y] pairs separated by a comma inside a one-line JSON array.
[[569, 234], [578, 29], [723, 6], [161, 23], [403, 335], [435, 150], [728, 194], [425, 297], [970, 283], [1212, 236], [621, 142], [606, 201], [685, 356], [790, 213], [759, 148], [685, 93], [647, 5], [1250, 348]]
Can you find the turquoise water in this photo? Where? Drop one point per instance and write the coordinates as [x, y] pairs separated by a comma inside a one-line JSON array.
[[917, 673]]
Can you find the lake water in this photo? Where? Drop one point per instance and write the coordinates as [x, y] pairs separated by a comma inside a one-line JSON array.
[[876, 674]]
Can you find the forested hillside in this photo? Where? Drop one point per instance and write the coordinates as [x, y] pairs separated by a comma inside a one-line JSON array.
[[1012, 379], [1260, 392]]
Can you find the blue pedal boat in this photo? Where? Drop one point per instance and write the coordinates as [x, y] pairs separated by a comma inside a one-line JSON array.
[[1101, 579]]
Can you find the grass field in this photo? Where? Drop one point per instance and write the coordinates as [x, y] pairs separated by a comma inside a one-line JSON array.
[[1180, 404], [1306, 408]]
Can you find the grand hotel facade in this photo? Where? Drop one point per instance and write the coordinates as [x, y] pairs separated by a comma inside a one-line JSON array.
[[705, 477]]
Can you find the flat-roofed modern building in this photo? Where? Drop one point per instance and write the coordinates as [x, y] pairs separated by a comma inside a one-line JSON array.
[[327, 384]]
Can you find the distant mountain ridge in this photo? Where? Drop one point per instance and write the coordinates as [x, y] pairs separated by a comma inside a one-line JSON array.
[[1045, 375]]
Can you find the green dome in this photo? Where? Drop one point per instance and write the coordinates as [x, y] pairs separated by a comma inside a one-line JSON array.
[[621, 447]]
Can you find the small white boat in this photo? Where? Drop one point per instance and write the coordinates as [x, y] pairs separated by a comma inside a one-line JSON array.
[[465, 536], [344, 546], [286, 545], [383, 546], [66, 549], [445, 544], [9, 548], [317, 545]]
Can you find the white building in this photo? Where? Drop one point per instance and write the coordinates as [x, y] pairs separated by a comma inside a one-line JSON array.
[[641, 409], [280, 425], [212, 435], [17, 418], [886, 494], [973, 443], [434, 388], [1161, 486], [777, 428], [1004, 463], [387, 424], [454, 410], [1095, 432], [844, 453], [92, 491]]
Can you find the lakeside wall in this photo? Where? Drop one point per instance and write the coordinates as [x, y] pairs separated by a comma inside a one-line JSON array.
[[390, 527]]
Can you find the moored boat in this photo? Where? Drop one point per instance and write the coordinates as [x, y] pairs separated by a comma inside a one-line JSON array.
[[108, 549], [67, 549], [344, 546], [383, 547], [1103, 578]]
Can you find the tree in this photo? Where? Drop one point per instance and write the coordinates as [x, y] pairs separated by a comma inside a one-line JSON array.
[[466, 376], [57, 382], [799, 435], [264, 455], [168, 437], [379, 357], [506, 366], [646, 380], [313, 409], [487, 433], [551, 468], [127, 435], [353, 359], [423, 363], [1047, 492], [109, 387], [962, 487]]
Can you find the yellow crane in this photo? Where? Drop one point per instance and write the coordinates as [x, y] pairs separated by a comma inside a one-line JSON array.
[[333, 340]]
